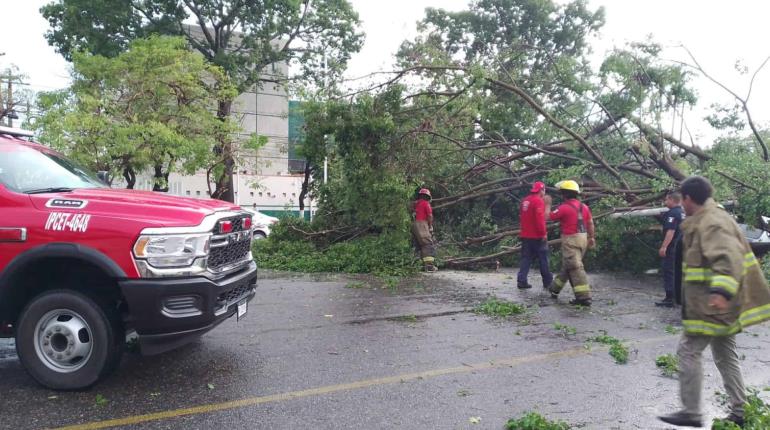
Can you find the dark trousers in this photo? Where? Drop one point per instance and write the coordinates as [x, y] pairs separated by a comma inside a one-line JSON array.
[[678, 274], [534, 249], [669, 269]]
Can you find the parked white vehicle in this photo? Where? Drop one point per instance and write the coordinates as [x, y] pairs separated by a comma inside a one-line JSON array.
[[261, 223], [758, 238]]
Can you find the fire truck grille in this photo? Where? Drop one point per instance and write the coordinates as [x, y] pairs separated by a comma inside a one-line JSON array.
[[233, 295], [232, 248]]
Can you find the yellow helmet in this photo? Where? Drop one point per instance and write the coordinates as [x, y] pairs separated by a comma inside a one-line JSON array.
[[569, 184]]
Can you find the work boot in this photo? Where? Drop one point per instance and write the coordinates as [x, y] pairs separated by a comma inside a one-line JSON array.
[[733, 418], [523, 286], [430, 268], [682, 418], [668, 302], [580, 302]]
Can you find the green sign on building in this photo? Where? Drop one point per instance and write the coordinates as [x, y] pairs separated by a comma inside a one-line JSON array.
[[296, 136]]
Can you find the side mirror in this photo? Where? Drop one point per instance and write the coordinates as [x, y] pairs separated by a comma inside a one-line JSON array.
[[103, 176]]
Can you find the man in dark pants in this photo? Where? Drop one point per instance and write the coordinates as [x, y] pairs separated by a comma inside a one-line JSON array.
[[534, 236], [668, 248]]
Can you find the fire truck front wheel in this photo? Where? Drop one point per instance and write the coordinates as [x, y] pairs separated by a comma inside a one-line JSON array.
[[68, 341]]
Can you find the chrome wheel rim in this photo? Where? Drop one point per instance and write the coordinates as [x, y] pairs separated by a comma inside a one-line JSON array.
[[63, 340]]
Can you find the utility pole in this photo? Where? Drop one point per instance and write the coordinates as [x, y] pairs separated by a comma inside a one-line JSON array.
[[7, 103], [9, 111], [2, 105]]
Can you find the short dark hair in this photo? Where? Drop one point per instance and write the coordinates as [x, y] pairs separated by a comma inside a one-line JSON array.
[[569, 194], [698, 188], [674, 195]]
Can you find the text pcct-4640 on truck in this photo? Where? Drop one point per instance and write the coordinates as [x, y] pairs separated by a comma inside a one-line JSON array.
[[82, 265]]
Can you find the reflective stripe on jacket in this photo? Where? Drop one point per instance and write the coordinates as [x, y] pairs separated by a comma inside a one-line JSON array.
[[718, 260]]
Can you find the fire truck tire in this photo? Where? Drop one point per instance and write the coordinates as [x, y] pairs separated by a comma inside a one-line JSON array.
[[68, 341]]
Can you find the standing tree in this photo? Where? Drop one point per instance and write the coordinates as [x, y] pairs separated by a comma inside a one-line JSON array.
[[149, 107], [243, 37]]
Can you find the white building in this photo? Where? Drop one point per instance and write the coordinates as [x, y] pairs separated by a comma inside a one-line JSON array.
[[272, 179]]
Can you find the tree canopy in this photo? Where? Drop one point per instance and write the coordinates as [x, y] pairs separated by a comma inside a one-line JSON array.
[[242, 37], [147, 108], [488, 100]]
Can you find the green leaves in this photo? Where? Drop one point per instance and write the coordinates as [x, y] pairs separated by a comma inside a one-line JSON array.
[[668, 364], [150, 106], [288, 249], [756, 415], [238, 36], [100, 400], [535, 421], [565, 330], [500, 308], [618, 351]]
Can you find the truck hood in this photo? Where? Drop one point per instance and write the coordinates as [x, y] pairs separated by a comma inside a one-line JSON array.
[[153, 208]]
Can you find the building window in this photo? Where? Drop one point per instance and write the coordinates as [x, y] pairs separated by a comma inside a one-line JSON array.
[[294, 194], [197, 193], [188, 192], [252, 194], [260, 193], [284, 194]]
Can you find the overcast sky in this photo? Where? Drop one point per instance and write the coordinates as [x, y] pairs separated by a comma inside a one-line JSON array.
[[718, 32]]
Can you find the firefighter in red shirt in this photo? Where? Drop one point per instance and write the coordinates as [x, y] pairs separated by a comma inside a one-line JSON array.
[[534, 237], [422, 229], [577, 235]]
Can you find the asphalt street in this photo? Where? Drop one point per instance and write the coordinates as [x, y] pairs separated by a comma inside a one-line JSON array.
[[337, 352]]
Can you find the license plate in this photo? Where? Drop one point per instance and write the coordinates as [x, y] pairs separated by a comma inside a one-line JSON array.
[[243, 306]]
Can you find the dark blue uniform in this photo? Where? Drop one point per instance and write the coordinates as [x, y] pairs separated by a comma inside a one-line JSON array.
[[671, 221]]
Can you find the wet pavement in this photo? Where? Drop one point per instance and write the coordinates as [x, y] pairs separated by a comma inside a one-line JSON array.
[[336, 352]]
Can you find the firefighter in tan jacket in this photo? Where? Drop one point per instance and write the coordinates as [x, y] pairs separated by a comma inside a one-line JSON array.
[[724, 291]]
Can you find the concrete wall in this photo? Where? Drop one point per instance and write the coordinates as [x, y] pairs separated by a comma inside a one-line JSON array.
[[262, 179], [273, 193]]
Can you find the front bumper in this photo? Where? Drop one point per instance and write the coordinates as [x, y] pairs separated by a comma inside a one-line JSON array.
[[168, 313]]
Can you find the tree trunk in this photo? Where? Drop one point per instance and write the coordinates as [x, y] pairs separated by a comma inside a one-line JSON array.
[[305, 186], [130, 176], [224, 149], [161, 179], [760, 141]]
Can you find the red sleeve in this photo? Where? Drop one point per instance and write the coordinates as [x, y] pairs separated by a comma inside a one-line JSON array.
[[556, 215], [428, 208], [539, 214]]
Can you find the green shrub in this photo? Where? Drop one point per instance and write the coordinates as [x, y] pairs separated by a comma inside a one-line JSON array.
[[604, 339], [382, 255], [625, 244], [500, 308], [618, 351], [668, 364], [756, 415], [765, 264], [565, 330], [535, 421]]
